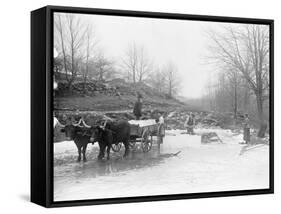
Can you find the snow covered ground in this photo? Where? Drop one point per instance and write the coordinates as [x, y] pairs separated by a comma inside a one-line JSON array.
[[197, 168]]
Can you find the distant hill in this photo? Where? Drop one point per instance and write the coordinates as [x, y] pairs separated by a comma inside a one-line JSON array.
[[109, 96]]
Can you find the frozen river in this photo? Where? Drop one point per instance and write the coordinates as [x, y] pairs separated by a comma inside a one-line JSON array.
[[197, 168]]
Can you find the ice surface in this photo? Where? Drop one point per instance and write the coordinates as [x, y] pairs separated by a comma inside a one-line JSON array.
[[197, 168]]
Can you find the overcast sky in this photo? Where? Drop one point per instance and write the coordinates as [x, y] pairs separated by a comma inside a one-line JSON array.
[[180, 41]]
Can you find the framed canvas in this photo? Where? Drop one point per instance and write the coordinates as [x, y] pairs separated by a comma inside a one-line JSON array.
[[130, 106]]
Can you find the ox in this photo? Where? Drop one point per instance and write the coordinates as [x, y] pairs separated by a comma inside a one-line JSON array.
[[111, 133], [80, 135]]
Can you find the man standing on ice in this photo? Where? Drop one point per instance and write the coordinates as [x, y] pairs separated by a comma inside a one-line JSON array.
[[189, 124], [161, 128], [246, 134], [137, 108]]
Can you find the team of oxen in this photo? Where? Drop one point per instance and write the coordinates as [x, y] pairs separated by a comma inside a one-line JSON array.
[[106, 135]]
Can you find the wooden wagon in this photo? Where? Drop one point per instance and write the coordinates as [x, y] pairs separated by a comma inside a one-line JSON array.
[[143, 135]]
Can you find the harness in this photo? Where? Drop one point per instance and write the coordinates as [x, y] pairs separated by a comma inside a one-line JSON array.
[[84, 133]]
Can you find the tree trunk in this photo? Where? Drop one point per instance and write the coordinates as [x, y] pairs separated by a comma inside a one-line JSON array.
[[69, 85], [84, 85], [101, 75], [170, 89], [235, 101], [134, 77], [262, 130], [246, 100], [263, 125]]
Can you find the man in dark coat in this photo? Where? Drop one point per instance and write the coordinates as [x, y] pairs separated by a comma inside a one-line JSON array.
[[246, 134], [189, 124], [137, 108]]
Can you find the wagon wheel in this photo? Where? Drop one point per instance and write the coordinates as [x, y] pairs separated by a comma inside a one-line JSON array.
[[116, 147], [146, 143]]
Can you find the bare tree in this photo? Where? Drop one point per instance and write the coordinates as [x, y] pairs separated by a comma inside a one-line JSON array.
[[158, 80], [144, 65], [222, 94], [172, 79], [228, 93], [210, 98], [71, 33], [137, 63], [130, 62], [60, 29], [234, 81], [246, 49], [103, 67], [90, 44]]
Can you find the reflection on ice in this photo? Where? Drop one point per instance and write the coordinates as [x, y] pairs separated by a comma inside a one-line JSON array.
[[117, 164]]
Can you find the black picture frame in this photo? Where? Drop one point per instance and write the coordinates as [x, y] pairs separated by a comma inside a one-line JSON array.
[[42, 105]]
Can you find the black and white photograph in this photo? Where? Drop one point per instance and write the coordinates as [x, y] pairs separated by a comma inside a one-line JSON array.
[[148, 106]]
